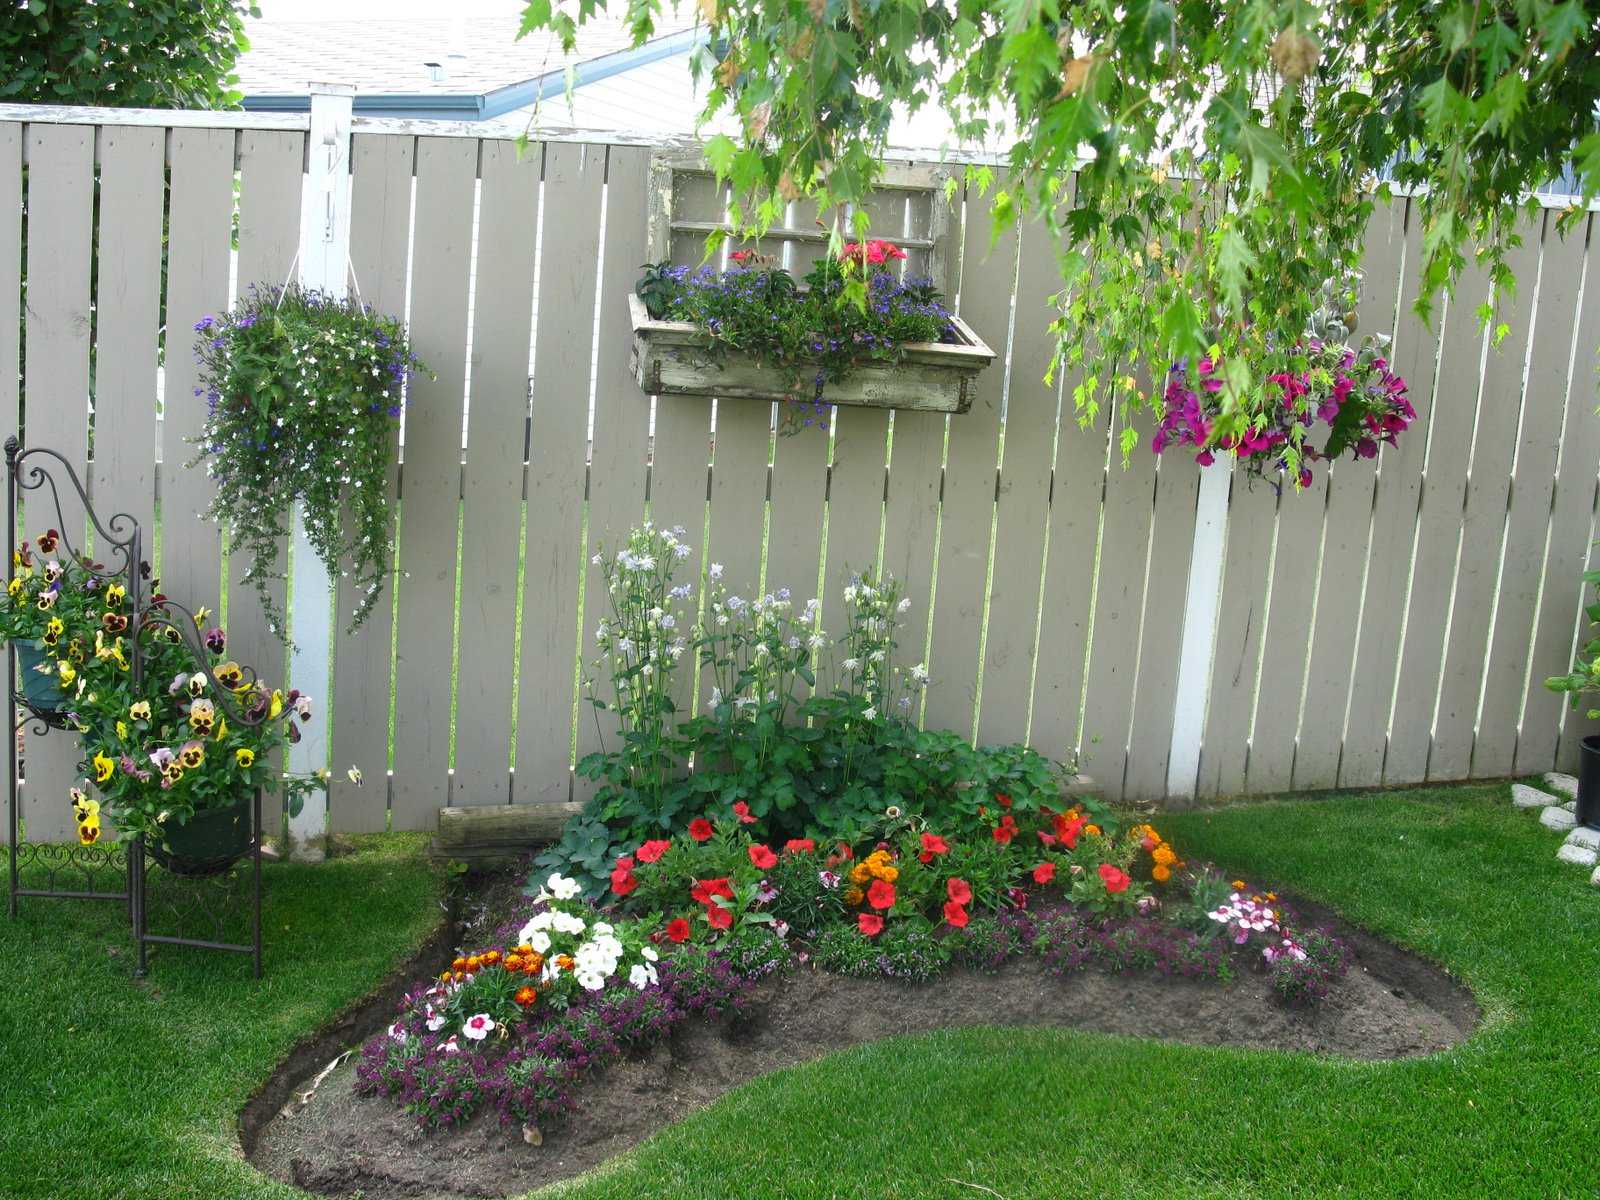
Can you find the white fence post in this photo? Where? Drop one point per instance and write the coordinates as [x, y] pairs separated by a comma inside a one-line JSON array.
[[1199, 628], [324, 264]]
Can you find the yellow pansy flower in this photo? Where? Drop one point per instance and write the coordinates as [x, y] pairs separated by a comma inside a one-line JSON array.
[[89, 832], [103, 766], [200, 615], [68, 675], [140, 710], [277, 705], [245, 756], [114, 595], [122, 729], [14, 588], [222, 729]]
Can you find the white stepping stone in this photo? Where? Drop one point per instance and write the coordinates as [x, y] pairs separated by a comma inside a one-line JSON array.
[[1523, 796], [1571, 806], [1579, 855], [1558, 819], [1585, 836], [1595, 878], [1565, 784]]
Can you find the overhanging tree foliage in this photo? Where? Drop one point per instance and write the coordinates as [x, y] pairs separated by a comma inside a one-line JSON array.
[[149, 54], [1207, 170]]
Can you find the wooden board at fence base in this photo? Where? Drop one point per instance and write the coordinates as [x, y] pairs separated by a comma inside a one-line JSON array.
[[431, 480], [55, 402], [498, 835], [492, 491], [380, 207], [573, 180]]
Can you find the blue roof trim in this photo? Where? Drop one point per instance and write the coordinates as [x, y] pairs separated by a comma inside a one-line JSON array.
[[463, 106], [554, 83]]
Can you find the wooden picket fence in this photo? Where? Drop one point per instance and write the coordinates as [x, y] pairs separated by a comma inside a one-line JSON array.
[[1390, 625]]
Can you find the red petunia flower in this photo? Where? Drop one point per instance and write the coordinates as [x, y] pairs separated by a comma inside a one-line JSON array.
[[719, 917], [958, 890], [955, 915], [652, 851], [1048, 839], [1006, 830], [1003, 800], [763, 858], [742, 811], [623, 882], [678, 930], [1044, 873], [871, 924], [881, 894], [1116, 879], [932, 844], [700, 829], [799, 846], [1067, 829], [742, 256], [625, 863], [704, 889]]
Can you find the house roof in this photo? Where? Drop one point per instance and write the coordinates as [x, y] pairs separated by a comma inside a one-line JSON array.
[[461, 68]]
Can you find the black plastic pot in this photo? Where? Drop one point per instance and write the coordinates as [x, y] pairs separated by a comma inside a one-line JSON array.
[[40, 690], [210, 842], [1589, 781]]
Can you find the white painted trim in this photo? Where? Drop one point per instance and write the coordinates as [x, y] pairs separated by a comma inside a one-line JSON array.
[[324, 264], [1203, 598]]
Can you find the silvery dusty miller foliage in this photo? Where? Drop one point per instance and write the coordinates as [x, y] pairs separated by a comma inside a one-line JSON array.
[[305, 392]]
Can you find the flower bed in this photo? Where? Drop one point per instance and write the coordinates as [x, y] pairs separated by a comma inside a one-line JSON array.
[[693, 923]]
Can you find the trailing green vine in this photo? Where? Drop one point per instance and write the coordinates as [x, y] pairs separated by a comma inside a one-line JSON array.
[[305, 393]]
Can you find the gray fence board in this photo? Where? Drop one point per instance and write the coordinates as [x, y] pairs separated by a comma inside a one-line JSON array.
[[431, 481], [967, 513], [1394, 525], [380, 244], [910, 519], [855, 505], [1483, 528], [1023, 502], [55, 404], [618, 466], [492, 489], [573, 179], [1571, 524], [1532, 483], [10, 328]]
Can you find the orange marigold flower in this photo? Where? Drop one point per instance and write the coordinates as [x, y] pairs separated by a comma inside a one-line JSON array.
[[532, 962], [1091, 829], [853, 896], [1163, 855], [564, 961], [458, 964], [523, 950], [513, 962], [492, 957], [1238, 885], [1161, 873], [860, 873], [525, 996]]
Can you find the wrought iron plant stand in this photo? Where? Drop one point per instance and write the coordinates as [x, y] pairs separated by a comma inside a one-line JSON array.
[[73, 871]]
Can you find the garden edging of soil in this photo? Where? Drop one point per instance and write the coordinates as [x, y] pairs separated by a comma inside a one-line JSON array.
[[1391, 1004]]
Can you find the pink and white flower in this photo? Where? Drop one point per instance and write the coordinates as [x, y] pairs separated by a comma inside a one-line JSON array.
[[478, 1027]]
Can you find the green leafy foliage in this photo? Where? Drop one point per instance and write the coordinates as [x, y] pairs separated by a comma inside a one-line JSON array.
[[153, 54], [305, 391], [1584, 678], [1202, 170]]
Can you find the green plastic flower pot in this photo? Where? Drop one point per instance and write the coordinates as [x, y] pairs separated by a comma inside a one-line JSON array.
[[211, 841], [40, 690]]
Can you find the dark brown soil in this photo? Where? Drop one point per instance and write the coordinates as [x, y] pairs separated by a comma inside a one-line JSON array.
[[1391, 1005]]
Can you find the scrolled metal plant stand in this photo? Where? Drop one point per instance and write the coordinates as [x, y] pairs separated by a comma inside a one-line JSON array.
[[35, 470]]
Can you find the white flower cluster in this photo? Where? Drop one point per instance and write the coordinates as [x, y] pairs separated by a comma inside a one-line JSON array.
[[598, 953]]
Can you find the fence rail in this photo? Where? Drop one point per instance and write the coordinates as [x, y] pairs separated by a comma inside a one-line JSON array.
[[1390, 625]]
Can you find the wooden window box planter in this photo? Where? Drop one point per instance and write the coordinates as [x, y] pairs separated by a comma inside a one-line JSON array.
[[674, 358]]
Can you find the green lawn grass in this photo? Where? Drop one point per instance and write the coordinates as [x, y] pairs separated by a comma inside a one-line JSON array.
[[112, 1088]]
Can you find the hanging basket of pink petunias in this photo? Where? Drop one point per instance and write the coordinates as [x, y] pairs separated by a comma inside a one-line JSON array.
[[1344, 401]]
